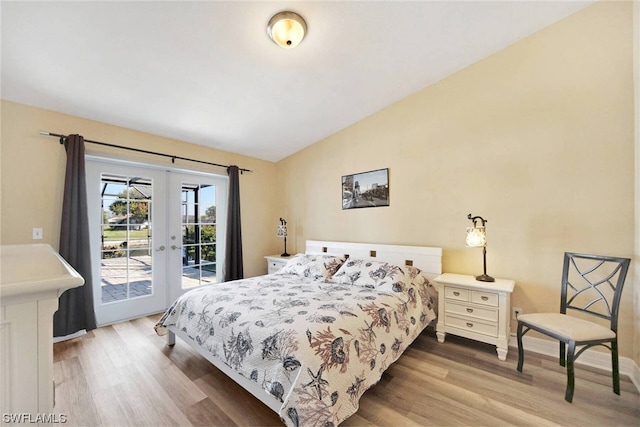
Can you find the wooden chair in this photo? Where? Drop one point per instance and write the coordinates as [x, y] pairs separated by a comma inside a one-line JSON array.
[[591, 284]]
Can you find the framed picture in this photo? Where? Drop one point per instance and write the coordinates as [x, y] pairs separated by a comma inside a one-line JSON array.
[[365, 189]]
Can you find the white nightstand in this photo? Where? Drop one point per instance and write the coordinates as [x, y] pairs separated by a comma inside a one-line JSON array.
[[276, 262], [473, 309]]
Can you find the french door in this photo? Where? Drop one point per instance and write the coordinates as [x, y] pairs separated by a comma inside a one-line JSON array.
[[197, 214], [154, 234]]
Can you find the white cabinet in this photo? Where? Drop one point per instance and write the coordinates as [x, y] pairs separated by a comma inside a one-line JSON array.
[[476, 310], [32, 279], [275, 263]]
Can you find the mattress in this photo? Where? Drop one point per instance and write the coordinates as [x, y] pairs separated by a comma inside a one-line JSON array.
[[314, 336]]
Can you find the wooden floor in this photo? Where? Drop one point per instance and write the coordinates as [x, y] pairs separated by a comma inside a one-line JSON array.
[[124, 375]]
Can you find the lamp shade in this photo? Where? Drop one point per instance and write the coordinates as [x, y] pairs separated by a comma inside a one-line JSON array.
[[476, 237], [282, 231], [287, 29]]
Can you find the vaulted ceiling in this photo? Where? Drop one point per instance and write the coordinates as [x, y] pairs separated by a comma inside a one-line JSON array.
[[207, 73]]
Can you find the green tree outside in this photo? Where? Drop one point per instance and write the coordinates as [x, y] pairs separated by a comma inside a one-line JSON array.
[[138, 211]]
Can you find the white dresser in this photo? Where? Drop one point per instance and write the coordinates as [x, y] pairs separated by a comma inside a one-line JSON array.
[[473, 309], [32, 279], [276, 262]]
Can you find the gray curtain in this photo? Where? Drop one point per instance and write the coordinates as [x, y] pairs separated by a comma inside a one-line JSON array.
[[75, 310], [233, 253]]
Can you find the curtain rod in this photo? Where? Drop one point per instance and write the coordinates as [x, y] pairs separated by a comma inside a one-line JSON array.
[[171, 156]]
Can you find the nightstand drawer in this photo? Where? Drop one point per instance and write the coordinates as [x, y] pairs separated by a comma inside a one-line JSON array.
[[472, 325], [469, 311], [456, 293], [484, 298], [274, 266], [275, 263]]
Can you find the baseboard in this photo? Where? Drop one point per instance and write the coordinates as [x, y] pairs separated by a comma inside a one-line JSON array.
[[70, 336], [590, 357]]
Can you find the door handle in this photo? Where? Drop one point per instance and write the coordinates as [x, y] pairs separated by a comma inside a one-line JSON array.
[[161, 248], [174, 247]]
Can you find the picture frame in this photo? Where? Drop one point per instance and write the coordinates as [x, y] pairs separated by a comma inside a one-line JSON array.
[[365, 189]]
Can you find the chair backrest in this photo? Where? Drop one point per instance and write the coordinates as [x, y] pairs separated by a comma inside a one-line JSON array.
[[593, 284]]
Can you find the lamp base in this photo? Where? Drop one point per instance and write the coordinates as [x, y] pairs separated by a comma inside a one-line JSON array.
[[485, 278], [285, 254]]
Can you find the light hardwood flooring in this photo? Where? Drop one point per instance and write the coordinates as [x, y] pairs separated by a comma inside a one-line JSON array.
[[125, 375]]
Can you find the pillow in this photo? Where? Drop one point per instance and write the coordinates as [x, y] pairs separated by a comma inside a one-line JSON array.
[[368, 274], [317, 267], [407, 282]]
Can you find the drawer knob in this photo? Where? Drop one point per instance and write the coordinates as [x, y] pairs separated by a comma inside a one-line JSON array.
[[484, 298], [457, 294], [469, 325], [469, 310]]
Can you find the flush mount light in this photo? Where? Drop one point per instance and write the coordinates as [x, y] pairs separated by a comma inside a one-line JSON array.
[[287, 29]]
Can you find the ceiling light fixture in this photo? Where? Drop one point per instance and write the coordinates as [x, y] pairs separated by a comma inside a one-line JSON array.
[[287, 29]]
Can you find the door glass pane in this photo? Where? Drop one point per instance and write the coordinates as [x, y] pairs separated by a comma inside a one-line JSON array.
[[126, 253], [208, 273], [190, 277], [198, 234], [207, 254], [208, 204], [208, 234]]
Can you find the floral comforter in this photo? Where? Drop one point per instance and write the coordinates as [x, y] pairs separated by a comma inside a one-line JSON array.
[[316, 346]]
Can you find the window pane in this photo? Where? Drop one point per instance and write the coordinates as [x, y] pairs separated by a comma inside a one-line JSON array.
[[111, 251], [140, 283], [139, 263], [190, 277], [207, 204], [209, 273], [189, 234], [208, 253], [209, 217], [114, 290], [114, 233], [189, 255], [112, 188], [188, 213], [208, 233]]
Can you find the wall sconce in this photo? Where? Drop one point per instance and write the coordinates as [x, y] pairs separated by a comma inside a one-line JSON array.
[[282, 232], [287, 29], [477, 238]]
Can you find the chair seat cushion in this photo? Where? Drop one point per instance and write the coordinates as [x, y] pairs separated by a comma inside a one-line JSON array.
[[569, 327]]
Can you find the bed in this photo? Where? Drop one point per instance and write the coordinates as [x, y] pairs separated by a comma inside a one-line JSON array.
[[309, 340]]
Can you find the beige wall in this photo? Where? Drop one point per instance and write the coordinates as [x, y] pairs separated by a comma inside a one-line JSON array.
[[32, 177], [636, 74], [538, 139]]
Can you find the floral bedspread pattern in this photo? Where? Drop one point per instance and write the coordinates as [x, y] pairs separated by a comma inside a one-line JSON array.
[[316, 346]]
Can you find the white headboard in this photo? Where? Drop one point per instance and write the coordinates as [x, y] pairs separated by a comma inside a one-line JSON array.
[[427, 259]]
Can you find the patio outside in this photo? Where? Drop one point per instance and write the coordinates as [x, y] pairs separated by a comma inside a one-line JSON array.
[[114, 277]]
